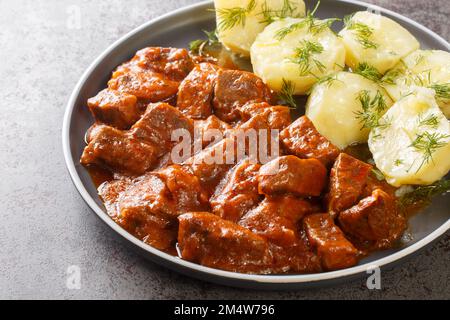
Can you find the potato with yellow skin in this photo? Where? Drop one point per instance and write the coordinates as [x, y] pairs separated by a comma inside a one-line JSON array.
[[337, 111], [376, 40], [299, 57], [414, 149], [240, 21], [424, 68]]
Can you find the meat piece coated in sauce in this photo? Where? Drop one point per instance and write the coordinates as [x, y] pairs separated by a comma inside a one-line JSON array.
[[196, 91], [234, 89], [348, 179], [276, 219], [375, 219], [302, 139], [217, 243], [334, 250], [290, 174], [238, 193], [120, 151], [148, 207], [114, 108]]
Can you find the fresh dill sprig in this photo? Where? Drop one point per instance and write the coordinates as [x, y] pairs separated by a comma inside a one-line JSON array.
[[232, 17], [442, 90], [329, 79], [304, 56], [287, 94], [368, 72], [309, 22], [391, 76], [197, 46], [424, 194], [271, 15], [372, 110], [430, 121], [362, 31], [427, 144], [398, 162]]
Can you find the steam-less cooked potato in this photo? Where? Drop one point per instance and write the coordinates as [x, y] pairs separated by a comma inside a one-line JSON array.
[[345, 106], [298, 57], [414, 148], [425, 68], [376, 40], [240, 21]]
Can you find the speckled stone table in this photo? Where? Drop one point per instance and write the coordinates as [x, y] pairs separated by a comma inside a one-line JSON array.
[[46, 227]]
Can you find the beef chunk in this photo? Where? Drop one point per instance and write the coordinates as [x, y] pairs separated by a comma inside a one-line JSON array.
[[293, 175], [119, 151], [347, 181], [110, 193], [236, 88], [159, 122], [374, 219], [334, 250], [202, 128], [211, 164], [303, 140], [148, 207], [276, 219], [145, 211], [174, 64], [154, 74], [146, 85], [196, 91], [238, 192], [136, 151], [115, 108], [217, 243]]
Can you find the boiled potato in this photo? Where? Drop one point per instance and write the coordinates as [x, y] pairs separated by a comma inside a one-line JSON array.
[[336, 109], [250, 18], [425, 68], [414, 149], [376, 40], [299, 57]]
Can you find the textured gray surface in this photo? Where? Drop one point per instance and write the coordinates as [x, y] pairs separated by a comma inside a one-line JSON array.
[[46, 227]]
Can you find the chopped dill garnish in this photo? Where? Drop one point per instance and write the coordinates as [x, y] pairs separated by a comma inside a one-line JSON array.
[[430, 121], [329, 79], [427, 144], [398, 162], [362, 31], [197, 46], [372, 110], [303, 56], [310, 22], [391, 76], [424, 194], [368, 72], [270, 15], [232, 17], [442, 90], [287, 94]]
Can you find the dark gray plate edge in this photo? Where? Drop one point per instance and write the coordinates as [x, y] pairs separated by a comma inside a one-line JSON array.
[[214, 275]]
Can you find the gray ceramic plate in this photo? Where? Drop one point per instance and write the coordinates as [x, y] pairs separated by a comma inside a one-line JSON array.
[[177, 29]]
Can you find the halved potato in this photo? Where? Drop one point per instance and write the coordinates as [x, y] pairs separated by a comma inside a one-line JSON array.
[[345, 107], [250, 17], [414, 149], [299, 57], [376, 40], [425, 68]]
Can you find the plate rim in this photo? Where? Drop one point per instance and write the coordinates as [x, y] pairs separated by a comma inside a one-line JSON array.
[[196, 268]]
